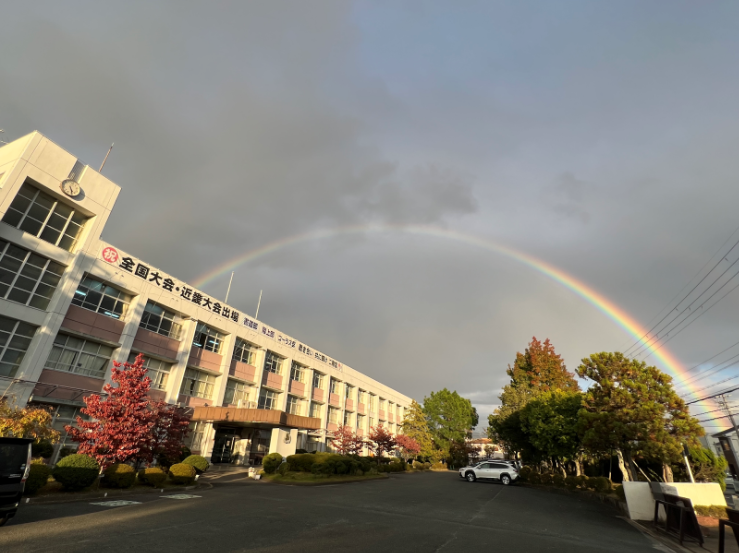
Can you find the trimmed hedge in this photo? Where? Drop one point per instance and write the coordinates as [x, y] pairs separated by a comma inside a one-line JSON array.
[[44, 449], [119, 475], [182, 473], [714, 511], [571, 482], [301, 462], [198, 462], [558, 480], [152, 477], [76, 472], [37, 478], [271, 462]]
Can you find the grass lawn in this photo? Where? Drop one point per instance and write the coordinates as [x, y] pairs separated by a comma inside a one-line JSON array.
[[310, 479]]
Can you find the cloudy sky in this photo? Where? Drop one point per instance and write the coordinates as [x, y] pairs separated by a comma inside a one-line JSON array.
[[600, 137]]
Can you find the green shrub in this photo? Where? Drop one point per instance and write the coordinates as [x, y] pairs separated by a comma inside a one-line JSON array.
[[592, 483], [620, 492], [322, 469], [301, 462], [283, 469], [525, 474], [582, 481], [37, 478], [438, 466], [558, 480], [152, 476], [271, 462], [42, 449], [714, 511], [571, 482], [546, 479], [199, 463], [76, 472], [603, 484], [66, 451], [534, 478], [182, 473], [119, 476]]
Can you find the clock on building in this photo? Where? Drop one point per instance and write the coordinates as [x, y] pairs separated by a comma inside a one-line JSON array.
[[70, 188]]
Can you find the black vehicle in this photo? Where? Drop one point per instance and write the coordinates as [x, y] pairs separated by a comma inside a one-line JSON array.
[[15, 464]]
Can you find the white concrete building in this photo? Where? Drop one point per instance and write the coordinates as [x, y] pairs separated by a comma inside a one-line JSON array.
[[70, 304]]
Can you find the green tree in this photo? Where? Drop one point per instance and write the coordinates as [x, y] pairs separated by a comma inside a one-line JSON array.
[[550, 424], [416, 426], [632, 409], [539, 369], [450, 417], [708, 467]]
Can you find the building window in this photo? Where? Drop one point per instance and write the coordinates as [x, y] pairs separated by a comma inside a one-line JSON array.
[[37, 213], [244, 352], [99, 297], [334, 386], [382, 404], [348, 391], [347, 418], [207, 338], [197, 384], [26, 277], [236, 392], [157, 370], [159, 320], [79, 356], [313, 443], [362, 397], [360, 421], [315, 410], [293, 405], [195, 440], [373, 403], [333, 415], [296, 372], [318, 380], [15, 339], [273, 363], [371, 423], [267, 399]]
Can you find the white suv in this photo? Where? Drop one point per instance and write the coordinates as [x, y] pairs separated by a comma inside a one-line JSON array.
[[490, 470]]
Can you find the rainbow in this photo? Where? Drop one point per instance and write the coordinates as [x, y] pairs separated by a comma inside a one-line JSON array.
[[611, 310]]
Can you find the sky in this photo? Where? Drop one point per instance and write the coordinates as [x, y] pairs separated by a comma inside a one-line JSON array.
[[599, 137]]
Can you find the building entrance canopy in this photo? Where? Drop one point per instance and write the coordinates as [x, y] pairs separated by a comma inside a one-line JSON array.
[[236, 416]]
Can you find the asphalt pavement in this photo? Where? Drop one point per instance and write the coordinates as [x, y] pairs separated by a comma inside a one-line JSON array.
[[434, 512]]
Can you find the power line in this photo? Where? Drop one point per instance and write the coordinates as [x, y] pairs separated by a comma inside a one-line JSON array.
[[714, 395], [700, 314], [710, 371], [693, 288]]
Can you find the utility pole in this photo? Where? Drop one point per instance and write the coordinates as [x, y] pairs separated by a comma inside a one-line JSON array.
[[229, 286], [258, 304], [722, 402]]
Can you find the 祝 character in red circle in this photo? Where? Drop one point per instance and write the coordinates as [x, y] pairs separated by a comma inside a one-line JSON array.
[[110, 255]]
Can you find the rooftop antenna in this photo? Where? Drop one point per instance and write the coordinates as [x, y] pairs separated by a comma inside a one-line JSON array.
[[258, 304], [229, 286], [3, 141], [106, 158]]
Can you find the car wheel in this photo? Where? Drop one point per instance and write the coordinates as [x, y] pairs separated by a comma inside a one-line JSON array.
[[471, 477], [3, 520], [505, 480]]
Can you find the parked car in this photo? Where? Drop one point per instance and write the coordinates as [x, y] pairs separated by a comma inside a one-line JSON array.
[[15, 464], [490, 470]]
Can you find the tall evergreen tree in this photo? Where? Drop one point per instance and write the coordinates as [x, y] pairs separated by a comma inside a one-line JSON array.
[[451, 418], [632, 409], [416, 426]]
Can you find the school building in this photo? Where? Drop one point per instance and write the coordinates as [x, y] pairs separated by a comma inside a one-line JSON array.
[[71, 304]]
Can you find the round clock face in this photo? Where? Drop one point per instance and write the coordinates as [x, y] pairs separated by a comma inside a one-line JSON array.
[[70, 188]]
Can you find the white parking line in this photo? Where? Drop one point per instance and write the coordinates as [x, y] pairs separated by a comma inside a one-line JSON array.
[[118, 503], [180, 496]]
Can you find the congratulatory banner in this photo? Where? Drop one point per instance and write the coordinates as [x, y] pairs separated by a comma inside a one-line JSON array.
[[111, 255]]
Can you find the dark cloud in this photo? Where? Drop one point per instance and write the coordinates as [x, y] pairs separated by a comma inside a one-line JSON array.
[[598, 137]]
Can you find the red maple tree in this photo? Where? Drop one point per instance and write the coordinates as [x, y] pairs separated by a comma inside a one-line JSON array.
[[408, 446], [170, 427], [120, 425], [357, 445], [342, 440], [380, 440]]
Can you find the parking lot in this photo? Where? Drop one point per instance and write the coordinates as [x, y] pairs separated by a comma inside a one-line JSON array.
[[414, 512]]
